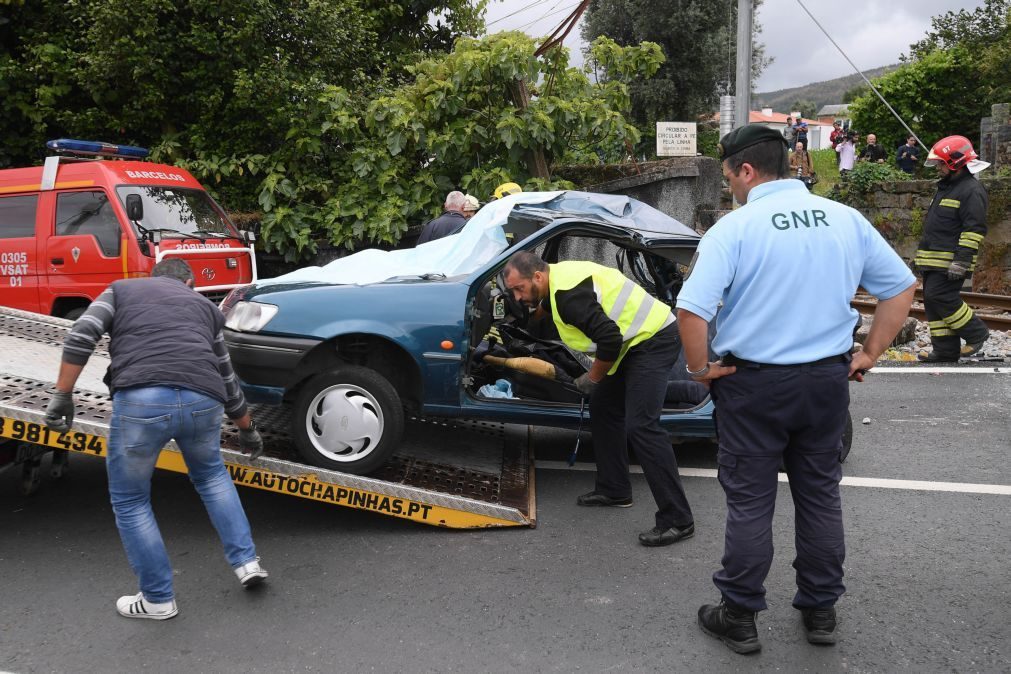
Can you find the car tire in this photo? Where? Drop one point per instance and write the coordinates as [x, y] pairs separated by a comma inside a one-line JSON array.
[[348, 419], [847, 438], [74, 314]]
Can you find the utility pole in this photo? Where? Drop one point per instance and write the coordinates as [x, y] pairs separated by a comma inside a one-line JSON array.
[[742, 86]]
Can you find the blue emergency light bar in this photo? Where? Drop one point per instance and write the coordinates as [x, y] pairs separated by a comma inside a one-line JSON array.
[[96, 149]]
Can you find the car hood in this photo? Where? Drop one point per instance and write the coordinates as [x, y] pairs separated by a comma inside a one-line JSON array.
[[483, 238]]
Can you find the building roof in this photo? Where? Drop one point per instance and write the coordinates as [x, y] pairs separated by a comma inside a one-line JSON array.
[[840, 109], [756, 117]]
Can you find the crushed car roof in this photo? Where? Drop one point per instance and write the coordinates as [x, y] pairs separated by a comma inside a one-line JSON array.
[[483, 238]]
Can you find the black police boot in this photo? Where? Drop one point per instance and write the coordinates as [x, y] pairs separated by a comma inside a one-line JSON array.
[[595, 499], [731, 624], [819, 623], [657, 536]]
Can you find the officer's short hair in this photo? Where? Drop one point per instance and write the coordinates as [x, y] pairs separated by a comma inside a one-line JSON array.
[[769, 158], [174, 267], [525, 264]]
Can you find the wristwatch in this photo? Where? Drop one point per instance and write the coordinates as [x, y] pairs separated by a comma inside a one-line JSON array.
[[697, 373]]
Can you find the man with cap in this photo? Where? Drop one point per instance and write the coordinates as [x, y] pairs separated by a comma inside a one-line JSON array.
[[793, 260], [953, 231]]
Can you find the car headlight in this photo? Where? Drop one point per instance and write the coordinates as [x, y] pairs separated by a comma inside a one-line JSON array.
[[249, 316]]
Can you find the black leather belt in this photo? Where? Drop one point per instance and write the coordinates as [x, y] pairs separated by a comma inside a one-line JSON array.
[[731, 359]]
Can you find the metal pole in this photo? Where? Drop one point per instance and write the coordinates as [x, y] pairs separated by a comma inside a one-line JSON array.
[[726, 115], [745, 21]]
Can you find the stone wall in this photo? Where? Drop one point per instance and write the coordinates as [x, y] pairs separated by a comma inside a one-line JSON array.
[[685, 188], [995, 136], [898, 209]]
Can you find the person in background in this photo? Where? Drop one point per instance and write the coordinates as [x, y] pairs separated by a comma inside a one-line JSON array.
[[953, 232], [836, 137], [790, 133], [847, 151], [471, 206], [450, 222], [872, 151], [171, 379], [800, 166], [782, 397], [908, 156], [801, 132]]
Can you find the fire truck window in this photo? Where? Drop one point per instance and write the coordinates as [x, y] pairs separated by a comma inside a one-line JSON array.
[[88, 213], [17, 217]]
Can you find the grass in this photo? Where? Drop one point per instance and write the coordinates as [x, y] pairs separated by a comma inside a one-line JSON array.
[[825, 167]]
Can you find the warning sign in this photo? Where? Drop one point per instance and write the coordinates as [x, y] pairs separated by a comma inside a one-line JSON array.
[[675, 139]]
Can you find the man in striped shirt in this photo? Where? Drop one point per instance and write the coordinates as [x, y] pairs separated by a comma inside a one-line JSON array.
[[171, 379]]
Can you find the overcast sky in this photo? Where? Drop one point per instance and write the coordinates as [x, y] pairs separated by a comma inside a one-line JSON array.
[[872, 32]]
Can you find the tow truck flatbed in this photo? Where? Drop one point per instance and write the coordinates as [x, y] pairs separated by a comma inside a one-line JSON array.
[[456, 474]]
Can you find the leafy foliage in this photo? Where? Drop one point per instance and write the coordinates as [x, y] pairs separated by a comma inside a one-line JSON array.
[[694, 38], [938, 95], [975, 29]]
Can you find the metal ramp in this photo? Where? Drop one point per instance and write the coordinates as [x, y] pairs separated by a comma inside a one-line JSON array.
[[457, 474]]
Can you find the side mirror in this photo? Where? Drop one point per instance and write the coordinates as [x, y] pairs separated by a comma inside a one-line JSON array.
[[134, 207]]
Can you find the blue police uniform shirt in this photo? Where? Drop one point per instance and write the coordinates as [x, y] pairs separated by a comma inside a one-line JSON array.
[[785, 267]]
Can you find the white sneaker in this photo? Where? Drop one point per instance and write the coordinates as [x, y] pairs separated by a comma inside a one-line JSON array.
[[251, 573], [135, 606]]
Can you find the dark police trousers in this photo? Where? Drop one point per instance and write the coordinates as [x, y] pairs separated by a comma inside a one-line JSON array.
[[795, 415], [625, 414], [950, 318]]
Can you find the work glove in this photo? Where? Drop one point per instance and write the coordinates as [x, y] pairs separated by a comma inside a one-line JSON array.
[[60, 412], [585, 385], [250, 441], [957, 271]]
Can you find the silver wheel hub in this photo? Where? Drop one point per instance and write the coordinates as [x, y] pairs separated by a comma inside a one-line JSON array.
[[344, 423]]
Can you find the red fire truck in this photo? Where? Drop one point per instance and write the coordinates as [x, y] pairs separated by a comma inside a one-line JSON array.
[[94, 213]]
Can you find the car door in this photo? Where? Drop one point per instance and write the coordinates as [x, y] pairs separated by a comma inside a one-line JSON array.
[[19, 268]]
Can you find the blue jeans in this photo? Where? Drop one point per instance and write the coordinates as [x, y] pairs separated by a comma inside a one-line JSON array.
[[144, 420]]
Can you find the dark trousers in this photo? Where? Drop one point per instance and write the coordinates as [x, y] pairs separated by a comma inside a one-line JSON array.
[[949, 317], [625, 414], [794, 415]]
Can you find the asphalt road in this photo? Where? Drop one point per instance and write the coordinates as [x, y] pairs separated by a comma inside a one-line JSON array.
[[927, 571]]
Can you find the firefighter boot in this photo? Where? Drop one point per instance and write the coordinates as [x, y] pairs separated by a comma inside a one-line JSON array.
[[733, 625]]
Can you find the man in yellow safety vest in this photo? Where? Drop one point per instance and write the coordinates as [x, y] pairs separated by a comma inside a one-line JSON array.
[[634, 341]]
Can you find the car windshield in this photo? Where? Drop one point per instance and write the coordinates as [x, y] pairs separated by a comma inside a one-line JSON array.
[[179, 212]]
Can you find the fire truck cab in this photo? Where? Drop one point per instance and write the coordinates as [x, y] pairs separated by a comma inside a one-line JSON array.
[[96, 213]]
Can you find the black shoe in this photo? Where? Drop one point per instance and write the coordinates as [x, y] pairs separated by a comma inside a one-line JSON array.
[[819, 623], [972, 348], [656, 536], [594, 499], [934, 357], [732, 625]]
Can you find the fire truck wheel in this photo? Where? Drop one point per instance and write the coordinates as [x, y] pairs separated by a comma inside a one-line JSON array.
[[74, 314], [348, 419], [847, 438]]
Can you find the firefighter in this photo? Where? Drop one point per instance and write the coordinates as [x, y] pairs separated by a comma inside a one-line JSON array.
[[952, 234], [635, 343]]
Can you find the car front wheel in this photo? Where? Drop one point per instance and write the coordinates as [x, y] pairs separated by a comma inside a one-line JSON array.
[[348, 419]]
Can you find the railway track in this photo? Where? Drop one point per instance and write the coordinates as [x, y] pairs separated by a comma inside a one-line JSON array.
[[988, 307]]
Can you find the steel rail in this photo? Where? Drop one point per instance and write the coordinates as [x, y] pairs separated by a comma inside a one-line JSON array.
[[868, 306]]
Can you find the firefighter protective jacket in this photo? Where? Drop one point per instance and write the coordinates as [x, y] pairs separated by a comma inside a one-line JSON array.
[[955, 224]]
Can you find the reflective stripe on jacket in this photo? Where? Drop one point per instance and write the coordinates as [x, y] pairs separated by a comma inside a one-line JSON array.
[[955, 224], [638, 315]]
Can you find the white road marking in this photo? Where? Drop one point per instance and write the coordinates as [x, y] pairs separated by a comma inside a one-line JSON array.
[[940, 370], [875, 482]]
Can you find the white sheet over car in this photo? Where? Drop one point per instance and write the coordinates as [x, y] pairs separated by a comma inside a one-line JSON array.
[[480, 240]]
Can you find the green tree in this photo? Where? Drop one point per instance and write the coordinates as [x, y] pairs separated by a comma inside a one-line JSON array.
[[937, 95], [976, 29], [356, 168], [806, 108], [698, 42], [853, 93]]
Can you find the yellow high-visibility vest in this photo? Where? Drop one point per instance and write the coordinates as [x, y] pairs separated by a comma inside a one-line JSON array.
[[638, 315]]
